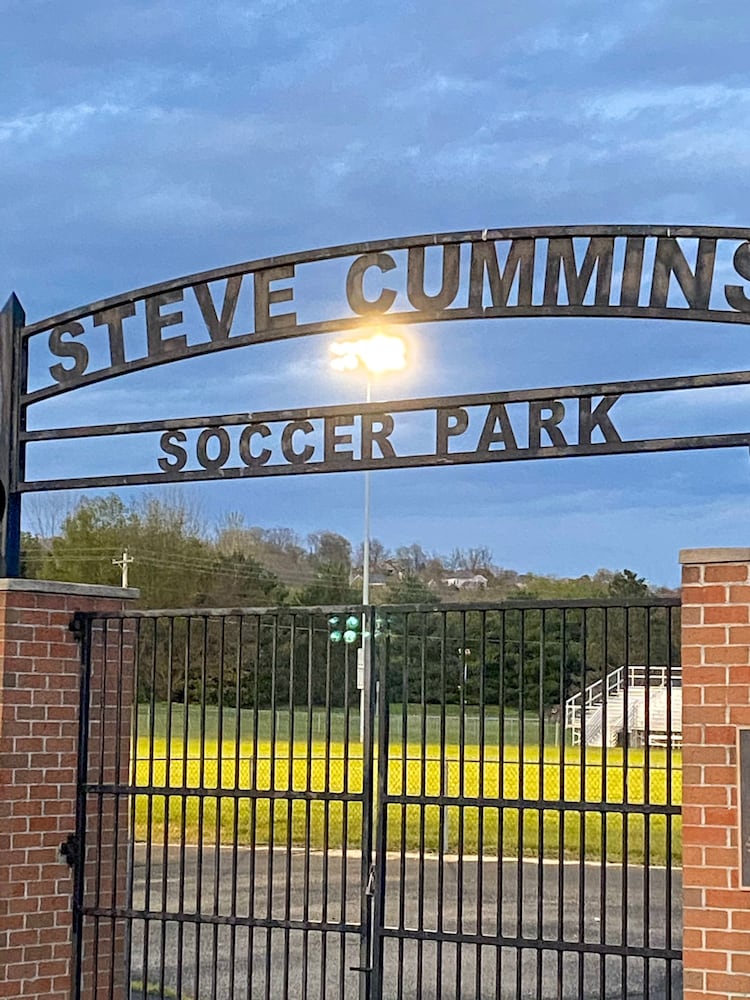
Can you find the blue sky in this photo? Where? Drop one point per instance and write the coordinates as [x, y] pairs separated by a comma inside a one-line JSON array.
[[142, 141]]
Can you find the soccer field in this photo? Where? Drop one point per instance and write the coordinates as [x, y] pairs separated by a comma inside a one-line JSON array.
[[520, 788]]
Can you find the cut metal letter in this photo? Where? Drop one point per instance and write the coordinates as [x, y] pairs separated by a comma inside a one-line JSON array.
[[599, 254], [588, 419], [379, 436], [265, 297], [520, 261], [287, 442], [332, 440], [415, 289], [355, 294], [156, 321], [170, 443], [68, 349], [219, 326], [497, 414], [736, 295], [112, 319], [670, 260], [451, 422], [549, 423], [245, 441]]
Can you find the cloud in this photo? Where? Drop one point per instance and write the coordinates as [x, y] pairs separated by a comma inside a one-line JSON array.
[[58, 122], [687, 101]]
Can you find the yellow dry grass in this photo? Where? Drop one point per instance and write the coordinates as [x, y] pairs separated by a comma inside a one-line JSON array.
[[563, 803]]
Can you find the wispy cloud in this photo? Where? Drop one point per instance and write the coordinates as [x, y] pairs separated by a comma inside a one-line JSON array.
[[62, 121], [688, 101], [67, 120]]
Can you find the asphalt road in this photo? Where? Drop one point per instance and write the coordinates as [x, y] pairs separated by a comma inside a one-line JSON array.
[[602, 906]]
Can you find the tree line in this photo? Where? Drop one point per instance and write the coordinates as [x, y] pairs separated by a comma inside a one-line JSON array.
[[525, 659], [178, 562]]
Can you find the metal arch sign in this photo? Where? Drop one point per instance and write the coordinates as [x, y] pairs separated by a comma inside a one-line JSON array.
[[642, 272]]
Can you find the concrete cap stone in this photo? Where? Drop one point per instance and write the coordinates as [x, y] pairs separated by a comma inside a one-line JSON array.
[[74, 589], [704, 556]]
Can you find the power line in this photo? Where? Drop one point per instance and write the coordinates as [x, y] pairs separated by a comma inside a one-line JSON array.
[[205, 566]]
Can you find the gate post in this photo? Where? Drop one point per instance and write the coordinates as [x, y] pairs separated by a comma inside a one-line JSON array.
[[13, 365], [716, 701], [40, 674]]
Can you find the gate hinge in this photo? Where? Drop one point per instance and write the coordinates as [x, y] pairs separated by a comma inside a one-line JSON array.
[[76, 626], [71, 850]]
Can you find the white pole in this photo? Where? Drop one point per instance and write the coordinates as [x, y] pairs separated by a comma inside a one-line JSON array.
[[365, 593], [123, 564]]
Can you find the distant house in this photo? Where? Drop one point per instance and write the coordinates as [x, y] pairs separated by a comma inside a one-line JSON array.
[[465, 579], [381, 575], [377, 579]]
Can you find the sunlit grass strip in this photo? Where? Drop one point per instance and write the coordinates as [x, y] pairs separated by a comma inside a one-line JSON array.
[[595, 776]]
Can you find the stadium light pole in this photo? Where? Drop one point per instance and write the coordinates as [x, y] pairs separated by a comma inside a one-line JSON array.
[[376, 355]]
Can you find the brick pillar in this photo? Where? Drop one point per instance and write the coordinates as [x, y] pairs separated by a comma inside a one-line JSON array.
[[716, 700], [40, 669]]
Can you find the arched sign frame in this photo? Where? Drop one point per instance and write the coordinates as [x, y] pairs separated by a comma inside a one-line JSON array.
[[641, 272]]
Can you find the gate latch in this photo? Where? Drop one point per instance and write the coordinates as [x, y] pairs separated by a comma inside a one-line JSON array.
[[370, 887], [70, 850]]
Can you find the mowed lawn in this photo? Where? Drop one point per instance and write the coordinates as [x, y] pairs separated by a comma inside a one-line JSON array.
[[552, 801]]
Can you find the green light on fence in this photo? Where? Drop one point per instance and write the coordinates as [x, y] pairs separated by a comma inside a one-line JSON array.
[[335, 633], [350, 631]]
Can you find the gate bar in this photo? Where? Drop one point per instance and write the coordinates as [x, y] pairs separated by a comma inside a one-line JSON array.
[[81, 627]]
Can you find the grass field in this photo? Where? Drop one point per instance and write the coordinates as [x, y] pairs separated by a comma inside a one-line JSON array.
[[339, 726], [592, 784]]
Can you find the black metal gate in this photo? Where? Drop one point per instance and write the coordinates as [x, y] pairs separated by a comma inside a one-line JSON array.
[[503, 820], [528, 817]]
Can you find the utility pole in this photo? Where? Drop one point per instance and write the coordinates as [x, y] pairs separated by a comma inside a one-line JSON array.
[[123, 564]]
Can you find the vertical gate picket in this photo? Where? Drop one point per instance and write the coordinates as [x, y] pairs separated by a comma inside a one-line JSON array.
[[81, 625], [369, 983], [379, 665]]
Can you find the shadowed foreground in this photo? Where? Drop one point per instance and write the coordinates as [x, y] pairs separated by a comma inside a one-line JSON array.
[[230, 960]]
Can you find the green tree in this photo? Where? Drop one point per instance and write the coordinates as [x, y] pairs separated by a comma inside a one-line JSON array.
[[553, 588], [628, 584], [239, 581], [409, 589], [327, 548], [94, 533], [330, 586], [33, 555], [174, 565]]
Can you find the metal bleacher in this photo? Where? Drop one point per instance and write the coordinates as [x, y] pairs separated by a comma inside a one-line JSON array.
[[631, 706]]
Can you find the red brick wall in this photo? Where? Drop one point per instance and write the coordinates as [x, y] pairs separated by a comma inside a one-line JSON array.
[[716, 700], [39, 707]]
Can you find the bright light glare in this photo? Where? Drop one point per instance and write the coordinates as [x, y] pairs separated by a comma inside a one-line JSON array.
[[377, 354]]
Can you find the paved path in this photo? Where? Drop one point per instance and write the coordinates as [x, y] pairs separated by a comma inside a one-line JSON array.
[[224, 960]]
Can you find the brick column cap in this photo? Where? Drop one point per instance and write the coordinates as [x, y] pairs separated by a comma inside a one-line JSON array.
[[702, 556], [72, 589]]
